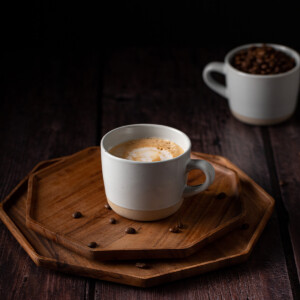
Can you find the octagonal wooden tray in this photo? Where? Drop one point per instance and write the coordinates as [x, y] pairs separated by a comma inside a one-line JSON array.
[[230, 249], [75, 184]]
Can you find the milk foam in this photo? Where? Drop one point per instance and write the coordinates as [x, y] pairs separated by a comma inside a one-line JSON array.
[[147, 150], [149, 154]]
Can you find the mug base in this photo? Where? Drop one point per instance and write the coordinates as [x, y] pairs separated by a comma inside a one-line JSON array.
[[145, 215], [260, 122]]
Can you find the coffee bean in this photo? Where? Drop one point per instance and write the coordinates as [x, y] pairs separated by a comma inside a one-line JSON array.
[[112, 221], [245, 65], [270, 60], [130, 230], [107, 206], [180, 225], [77, 215], [260, 52], [253, 70], [142, 265], [221, 196], [92, 245], [174, 229], [263, 66]]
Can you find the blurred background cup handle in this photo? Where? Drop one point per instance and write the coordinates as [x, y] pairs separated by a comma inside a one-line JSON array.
[[211, 82]]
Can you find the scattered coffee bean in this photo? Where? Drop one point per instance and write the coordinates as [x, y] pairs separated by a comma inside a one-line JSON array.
[[92, 245], [174, 229], [77, 215], [130, 230], [107, 206], [112, 221], [282, 183], [262, 60], [245, 226], [180, 225], [142, 265], [221, 196]]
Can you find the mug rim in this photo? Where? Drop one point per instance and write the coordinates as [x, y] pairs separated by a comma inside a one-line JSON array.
[[123, 160], [287, 50]]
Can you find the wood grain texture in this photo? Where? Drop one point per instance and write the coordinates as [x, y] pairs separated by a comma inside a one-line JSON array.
[[285, 161], [165, 86], [48, 108], [76, 184], [231, 249], [39, 94]]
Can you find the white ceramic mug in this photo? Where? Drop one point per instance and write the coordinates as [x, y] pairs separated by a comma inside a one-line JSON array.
[[148, 191], [257, 99]]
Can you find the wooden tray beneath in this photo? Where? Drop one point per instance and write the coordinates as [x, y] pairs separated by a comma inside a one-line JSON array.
[[231, 249], [75, 184]]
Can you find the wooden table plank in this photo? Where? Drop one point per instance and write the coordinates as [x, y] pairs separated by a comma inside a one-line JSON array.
[[165, 86], [49, 109], [285, 156]]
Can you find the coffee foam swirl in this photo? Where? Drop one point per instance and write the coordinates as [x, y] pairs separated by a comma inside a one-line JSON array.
[[149, 154], [147, 150]]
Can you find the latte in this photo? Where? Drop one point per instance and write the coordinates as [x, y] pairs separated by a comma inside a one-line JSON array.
[[147, 150]]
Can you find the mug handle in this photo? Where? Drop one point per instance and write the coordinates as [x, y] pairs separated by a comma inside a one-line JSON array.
[[209, 172], [213, 84]]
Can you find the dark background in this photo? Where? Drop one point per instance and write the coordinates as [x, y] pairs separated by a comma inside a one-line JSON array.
[[53, 24]]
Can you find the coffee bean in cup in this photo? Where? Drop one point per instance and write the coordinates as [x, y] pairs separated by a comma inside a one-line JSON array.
[[147, 150], [262, 60]]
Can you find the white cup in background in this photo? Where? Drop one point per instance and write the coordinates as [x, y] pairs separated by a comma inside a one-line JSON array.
[[257, 99]]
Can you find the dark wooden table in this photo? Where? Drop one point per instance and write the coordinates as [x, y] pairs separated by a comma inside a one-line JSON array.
[[56, 103]]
